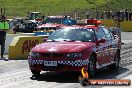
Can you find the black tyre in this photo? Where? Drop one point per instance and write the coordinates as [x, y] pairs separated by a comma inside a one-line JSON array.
[[35, 73], [83, 81], [117, 61], [92, 66]]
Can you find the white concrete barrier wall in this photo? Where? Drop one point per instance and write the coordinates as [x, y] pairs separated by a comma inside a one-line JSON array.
[[10, 37]]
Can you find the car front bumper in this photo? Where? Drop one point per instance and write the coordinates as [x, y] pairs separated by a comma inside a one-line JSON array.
[[60, 65]]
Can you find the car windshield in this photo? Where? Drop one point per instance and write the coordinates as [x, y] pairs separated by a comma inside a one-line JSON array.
[[84, 35]]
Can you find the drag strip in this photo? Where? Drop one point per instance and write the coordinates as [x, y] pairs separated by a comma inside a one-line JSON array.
[[16, 74]]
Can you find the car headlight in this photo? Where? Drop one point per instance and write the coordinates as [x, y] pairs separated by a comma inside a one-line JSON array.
[[34, 55], [74, 55]]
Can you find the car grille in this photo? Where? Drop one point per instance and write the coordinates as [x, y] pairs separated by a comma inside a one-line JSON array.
[[51, 55]]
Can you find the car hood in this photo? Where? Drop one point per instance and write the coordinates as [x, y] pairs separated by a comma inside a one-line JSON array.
[[62, 47]]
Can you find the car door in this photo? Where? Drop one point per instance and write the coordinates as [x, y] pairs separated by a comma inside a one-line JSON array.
[[101, 48], [111, 45]]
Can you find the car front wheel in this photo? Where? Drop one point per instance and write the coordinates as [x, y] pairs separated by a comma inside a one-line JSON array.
[[35, 73]]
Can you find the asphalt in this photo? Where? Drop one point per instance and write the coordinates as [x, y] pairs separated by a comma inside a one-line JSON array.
[[16, 73]]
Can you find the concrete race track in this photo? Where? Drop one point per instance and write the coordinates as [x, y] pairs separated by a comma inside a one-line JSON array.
[[16, 74]]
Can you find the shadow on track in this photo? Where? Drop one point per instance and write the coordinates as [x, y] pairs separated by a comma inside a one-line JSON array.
[[72, 77]]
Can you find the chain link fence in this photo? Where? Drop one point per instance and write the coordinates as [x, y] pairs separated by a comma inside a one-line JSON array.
[[118, 14]]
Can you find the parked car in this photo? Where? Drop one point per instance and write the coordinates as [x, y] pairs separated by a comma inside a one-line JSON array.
[[27, 27]]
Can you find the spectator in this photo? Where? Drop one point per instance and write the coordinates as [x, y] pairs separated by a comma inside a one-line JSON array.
[[88, 14], [16, 29], [122, 15], [109, 14], [2, 43], [65, 17], [102, 15], [118, 15], [2, 39], [113, 14], [130, 15], [97, 14], [43, 17], [105, 14], [126, 14], [3, 18]]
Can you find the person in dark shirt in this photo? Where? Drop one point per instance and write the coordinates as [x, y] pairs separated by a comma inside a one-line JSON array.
[[2, 42], [2, 39]]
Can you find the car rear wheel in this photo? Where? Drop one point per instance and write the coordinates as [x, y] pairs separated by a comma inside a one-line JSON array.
[[35, 73], [92, 67], [117, 61]]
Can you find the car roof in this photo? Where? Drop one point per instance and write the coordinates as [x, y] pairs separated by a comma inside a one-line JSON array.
[[59, 16], [82, 26], [51, 25]]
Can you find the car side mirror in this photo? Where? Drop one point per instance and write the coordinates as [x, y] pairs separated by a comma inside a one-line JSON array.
[[102, 41]]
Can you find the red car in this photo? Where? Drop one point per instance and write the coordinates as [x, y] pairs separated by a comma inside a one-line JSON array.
[[49, 26], [71, 48]]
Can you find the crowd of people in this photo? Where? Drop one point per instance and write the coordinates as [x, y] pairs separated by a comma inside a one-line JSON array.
[[122, 15]]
